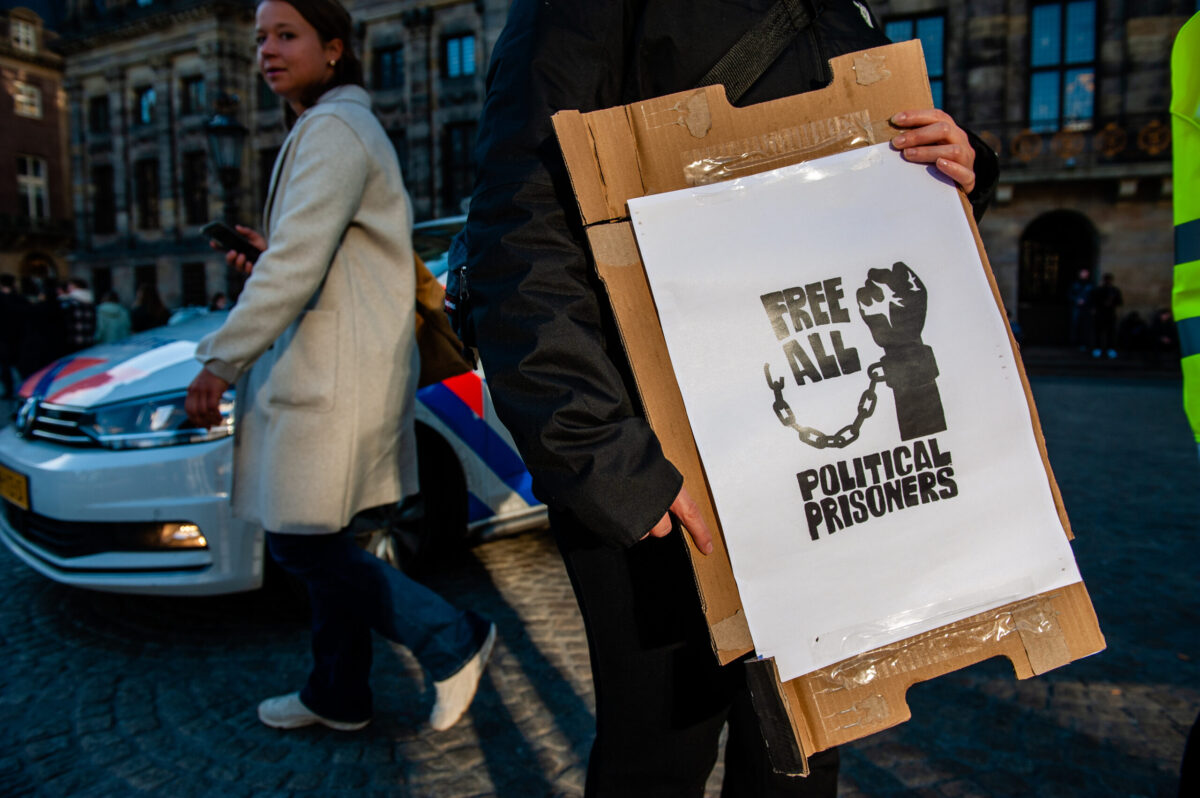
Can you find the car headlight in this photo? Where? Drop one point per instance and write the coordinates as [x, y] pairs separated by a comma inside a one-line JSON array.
[[152, 421]]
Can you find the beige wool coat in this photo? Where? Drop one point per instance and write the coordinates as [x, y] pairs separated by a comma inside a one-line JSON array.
[[320, 342]]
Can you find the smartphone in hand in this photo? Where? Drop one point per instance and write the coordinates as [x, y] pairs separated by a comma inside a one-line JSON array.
[[229, 238]]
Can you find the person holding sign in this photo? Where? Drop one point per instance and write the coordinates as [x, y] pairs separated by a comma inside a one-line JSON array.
[[559, 376]]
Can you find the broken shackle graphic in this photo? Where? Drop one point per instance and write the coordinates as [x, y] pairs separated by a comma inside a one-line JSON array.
[[893, 303]]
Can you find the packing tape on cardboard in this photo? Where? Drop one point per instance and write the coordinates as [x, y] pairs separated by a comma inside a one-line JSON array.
[[838, 645], [870, 68], [780, 147], [732, 633], [1034, 621], [1042, 635]]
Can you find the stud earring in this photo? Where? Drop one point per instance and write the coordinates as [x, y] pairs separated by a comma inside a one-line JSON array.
[[333, 63]]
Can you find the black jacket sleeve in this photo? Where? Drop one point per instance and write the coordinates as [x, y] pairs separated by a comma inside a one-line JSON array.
[[987, 176], [539, 316]]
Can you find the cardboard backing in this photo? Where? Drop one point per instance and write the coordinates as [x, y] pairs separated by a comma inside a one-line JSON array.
[[696, 137]]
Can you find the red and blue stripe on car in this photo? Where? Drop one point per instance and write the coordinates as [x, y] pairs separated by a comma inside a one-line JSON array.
[[462, 407]]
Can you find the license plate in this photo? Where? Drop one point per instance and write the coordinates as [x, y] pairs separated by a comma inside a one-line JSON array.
[[14, 487]]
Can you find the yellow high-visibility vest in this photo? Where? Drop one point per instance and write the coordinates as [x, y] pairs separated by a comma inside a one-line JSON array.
[[1185, 134]]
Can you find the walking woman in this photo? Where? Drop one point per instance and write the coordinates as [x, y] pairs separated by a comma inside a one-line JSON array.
[[321, 346]]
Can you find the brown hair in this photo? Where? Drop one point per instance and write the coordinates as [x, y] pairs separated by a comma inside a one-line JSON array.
[[331, 21]]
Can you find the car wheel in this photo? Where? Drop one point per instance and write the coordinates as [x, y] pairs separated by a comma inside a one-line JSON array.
[[428, 529]]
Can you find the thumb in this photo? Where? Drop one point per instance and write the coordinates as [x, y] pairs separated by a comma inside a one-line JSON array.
[[688, 513]]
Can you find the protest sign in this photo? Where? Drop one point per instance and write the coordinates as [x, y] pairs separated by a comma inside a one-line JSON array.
[[695, 138], [855, 402]]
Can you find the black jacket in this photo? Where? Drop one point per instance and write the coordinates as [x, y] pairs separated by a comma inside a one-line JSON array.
[[536, 310]]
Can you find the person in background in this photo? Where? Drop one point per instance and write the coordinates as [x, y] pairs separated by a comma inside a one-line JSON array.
[[1132, 331], [218, 302], [12, 317], [561, 383], [43, 333], [113, 322], [1017, 332], [148, 309], [1106, 298], [322, 346], [1079, 301], [1162, 337], [78, 314]]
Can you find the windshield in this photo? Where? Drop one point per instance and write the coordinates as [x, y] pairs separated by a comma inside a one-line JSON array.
[[431, 241]]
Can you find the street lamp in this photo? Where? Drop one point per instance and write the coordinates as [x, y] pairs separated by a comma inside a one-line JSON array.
[[226, 135]]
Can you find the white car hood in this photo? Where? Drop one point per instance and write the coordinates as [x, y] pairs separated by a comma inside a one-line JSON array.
[[157, 361]]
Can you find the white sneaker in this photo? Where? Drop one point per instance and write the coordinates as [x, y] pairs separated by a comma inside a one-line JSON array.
[[455, 693], [289, 712]]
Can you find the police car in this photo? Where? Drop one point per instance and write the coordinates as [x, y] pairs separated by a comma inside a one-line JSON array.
[[105, 486]]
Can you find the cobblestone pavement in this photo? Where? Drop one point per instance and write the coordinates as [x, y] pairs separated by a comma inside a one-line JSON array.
[[106, 695]]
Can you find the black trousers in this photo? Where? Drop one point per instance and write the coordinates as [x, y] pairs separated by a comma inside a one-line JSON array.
[[661, 697], [352, 592]]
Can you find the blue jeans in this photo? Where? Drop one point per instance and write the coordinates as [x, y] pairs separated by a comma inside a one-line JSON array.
[[352, 592]]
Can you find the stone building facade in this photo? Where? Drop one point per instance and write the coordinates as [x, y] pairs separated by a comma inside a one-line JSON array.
[[142, 77], [426, 63], [35, 198], [1074, 97]]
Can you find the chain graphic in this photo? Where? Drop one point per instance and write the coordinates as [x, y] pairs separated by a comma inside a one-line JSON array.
[[813, 436]]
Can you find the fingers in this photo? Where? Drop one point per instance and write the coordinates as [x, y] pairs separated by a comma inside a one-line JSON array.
[[203, 401], [238, 261], [954, 161], [963, 175], [688, 513], [921, 117], [689, 516], [661, 529], [934, 138], [924, 146], [872, 290], [252, 235], [191, 406], [200, 410]]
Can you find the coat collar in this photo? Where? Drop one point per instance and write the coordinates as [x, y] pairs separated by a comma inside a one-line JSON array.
[[338, 94], [348, 93]]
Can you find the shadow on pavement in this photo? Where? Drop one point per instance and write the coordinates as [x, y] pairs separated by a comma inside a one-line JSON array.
[[505, 745]]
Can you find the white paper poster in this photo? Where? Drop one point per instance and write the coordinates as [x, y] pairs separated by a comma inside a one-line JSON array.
[[855, 401]]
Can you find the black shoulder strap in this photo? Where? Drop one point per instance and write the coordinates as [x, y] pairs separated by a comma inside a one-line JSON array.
[[759, 47]]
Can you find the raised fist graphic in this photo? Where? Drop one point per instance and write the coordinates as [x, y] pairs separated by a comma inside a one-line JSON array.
[[893, 304]]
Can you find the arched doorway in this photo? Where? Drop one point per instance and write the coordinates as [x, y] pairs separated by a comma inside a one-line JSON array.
[[1054, 247]]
